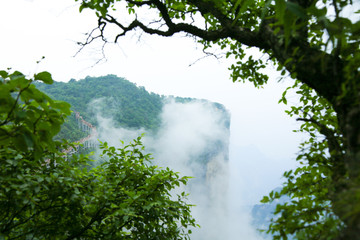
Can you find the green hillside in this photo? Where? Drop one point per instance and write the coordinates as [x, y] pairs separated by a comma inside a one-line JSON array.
[[129, 106], [132, 107], [113, 97]]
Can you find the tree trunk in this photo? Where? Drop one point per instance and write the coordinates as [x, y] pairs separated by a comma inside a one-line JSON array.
[[346, 202]]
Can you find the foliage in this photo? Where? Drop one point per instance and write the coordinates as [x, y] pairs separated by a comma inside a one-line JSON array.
[[29, 118], [263, 213], [70, 130], [129, 106], [312, 41], [46, 194], [309, 214]]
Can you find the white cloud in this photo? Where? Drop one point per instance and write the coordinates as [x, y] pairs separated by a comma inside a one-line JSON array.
[[188, 132]]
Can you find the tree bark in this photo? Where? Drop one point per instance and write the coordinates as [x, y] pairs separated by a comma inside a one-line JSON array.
[[347, 202]]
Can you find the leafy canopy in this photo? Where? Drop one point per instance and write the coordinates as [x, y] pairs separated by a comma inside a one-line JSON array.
[[309, 214], [46, 194]]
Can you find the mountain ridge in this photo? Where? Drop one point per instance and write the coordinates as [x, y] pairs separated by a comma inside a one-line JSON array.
[[129, 105]]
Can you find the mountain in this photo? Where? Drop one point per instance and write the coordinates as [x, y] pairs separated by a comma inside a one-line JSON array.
[[129, 106], [188, 135]]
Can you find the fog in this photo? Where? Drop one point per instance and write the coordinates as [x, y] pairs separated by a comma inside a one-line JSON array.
[[189, 134]]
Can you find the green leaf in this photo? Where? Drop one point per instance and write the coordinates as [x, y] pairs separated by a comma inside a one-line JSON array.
[[81, 8], [296, 9], [45, 77], [265, 199], [20, 143], [4, 74], [28, 139], [63, 106], [280, 6]]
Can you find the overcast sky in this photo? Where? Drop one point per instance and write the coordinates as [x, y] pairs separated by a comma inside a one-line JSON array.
[[31, 29]]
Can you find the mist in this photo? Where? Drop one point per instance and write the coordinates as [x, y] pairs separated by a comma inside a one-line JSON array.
[[193, 139]]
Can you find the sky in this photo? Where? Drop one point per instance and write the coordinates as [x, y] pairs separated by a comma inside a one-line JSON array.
[[262, 144]]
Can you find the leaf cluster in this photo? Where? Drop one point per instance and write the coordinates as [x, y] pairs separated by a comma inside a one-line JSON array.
[[46, 194], [309, 213], [29, 119]]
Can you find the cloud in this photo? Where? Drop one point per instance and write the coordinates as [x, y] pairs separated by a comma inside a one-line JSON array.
[[193, 139]]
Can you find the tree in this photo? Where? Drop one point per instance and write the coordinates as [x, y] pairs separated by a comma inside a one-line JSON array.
[[309, 214], [47, 194], [312, 41]]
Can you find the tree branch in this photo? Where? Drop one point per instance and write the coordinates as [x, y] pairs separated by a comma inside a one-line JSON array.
[[329, 134], [311, 66]]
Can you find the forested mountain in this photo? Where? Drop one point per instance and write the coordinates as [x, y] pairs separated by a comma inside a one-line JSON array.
[[113, 97], [129, 106]]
